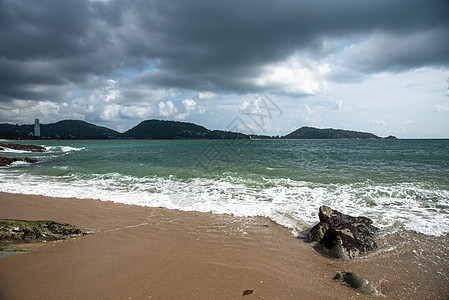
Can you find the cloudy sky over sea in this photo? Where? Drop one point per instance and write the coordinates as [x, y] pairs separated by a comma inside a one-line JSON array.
[[380, 66]]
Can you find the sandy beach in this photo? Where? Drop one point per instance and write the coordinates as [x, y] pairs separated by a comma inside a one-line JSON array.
[[155, 253]]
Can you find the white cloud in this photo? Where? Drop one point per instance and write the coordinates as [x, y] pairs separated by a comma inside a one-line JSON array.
[[135, 112], [189, 104], [447, 90], [378, 122], [441, 107], [24, 112], [313, 116], [308, 109], [111, 92], [381, 104], [206, 95], [110, 112], [295, 75], [338, 105], [167, 109], [393, 98]]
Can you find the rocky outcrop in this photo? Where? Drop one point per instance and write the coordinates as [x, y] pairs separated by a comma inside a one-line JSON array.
[[357, 282], [30, 148], [20, 231], [6, 161], [342, 236]]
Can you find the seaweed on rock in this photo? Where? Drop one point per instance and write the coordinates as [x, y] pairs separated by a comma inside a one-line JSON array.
[[21, 231], [343, 236]]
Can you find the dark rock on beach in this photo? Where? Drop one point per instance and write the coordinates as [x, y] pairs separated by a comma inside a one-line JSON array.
[[342, 236], [357, 282], [20, 231], [30, 148]]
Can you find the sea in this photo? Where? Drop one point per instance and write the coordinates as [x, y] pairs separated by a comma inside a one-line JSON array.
[[399, 184]]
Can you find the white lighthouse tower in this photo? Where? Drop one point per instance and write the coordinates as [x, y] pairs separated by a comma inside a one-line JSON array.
[[37, 128]]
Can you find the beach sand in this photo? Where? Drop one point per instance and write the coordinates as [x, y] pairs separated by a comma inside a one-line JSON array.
[[155, 253]]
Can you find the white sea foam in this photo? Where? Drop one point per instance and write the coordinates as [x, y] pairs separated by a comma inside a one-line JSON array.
[[19, 163], [58, 149], [9, 150], [293, 204]]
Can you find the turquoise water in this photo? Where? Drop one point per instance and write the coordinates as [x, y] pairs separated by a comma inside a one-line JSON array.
[[398, 183]]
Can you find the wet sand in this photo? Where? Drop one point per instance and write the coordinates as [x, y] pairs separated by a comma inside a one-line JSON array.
[[155, 253]]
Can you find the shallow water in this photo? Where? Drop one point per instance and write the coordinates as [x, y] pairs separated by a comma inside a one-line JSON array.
[[407, 265], [400, 184]]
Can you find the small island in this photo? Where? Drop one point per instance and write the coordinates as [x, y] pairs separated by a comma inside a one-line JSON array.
[[328, 133]]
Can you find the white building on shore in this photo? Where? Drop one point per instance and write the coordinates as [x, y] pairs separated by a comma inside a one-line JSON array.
[[37, 128]]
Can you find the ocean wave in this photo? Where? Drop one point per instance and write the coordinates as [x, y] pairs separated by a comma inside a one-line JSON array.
[[294, 204], [21, 163], [9, 150], [64, 149]]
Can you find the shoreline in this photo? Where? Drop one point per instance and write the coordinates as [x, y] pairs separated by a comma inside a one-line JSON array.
[[141, 252]]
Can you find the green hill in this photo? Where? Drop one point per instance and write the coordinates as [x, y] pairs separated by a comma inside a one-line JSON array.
[[158, 129], [167, 130], [11, 131], [76, 129], [329, 133], [163, 130], [67, 129]]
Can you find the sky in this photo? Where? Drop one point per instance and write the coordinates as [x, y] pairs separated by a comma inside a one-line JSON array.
[[258, 66]]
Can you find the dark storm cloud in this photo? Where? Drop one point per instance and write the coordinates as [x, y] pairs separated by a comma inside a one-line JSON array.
[[205, 45], [44, 29], [45, 45], [398, 52], [197, 37]]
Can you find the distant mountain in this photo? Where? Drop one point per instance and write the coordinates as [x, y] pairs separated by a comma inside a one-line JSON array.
[[76, 129], [11, 131], [163, 130], [167, 130], [329, 133], [158, 129], [67, 129]]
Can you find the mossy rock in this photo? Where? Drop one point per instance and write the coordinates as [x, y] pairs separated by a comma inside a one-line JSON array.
[[342, 236], [359, 283], [317, 232], [21, 231]]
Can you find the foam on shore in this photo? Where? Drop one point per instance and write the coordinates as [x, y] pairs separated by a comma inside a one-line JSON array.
[[290, 203]]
